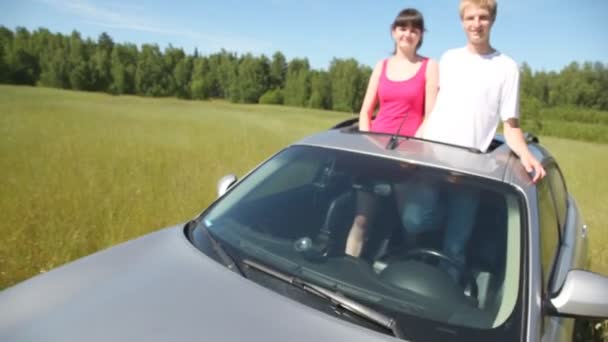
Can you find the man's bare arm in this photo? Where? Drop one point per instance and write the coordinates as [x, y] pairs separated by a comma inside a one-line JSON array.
[[516, 141]]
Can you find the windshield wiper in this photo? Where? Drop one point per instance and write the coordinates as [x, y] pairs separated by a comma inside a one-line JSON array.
[[338, 299], [227, 260]]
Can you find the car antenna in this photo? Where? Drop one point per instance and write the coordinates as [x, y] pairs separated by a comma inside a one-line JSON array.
[[392, 143]]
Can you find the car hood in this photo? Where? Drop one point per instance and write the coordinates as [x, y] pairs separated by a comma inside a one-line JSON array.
[[159, 288]]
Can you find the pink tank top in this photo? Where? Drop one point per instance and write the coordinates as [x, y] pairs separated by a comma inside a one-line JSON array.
[[398, 98]]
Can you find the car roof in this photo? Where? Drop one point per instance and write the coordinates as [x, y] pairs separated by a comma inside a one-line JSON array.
[[492, 164]]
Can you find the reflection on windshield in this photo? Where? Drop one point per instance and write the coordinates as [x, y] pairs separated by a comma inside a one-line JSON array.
[[296, 211]]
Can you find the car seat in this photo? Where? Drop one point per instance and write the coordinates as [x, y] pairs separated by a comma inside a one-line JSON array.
[[341, 213], [486, 248]]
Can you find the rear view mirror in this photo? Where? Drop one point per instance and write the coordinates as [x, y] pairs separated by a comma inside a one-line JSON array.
[[584, 294], [225, 183]]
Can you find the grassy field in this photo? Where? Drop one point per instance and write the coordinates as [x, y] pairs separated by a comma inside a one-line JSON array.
[[83, 171]]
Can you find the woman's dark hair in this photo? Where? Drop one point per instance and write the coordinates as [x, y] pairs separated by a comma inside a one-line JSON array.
[[410, 17]]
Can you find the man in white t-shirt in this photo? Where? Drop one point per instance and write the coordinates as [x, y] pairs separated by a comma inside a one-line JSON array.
[[478, 87], [477, 90]]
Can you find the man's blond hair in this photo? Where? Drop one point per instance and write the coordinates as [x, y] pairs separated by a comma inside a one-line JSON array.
[[490, 5]]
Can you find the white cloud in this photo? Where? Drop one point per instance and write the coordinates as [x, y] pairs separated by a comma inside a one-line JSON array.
[[132, 18]]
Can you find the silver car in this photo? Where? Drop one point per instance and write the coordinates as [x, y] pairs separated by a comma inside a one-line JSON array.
[[266, 261]]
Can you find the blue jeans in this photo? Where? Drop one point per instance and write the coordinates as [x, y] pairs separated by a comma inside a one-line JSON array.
[[424, 211]]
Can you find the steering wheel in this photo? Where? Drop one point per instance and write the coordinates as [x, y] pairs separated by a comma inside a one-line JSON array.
[[465, 275]]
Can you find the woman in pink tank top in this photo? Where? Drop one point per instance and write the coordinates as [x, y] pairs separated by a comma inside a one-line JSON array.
[[404, 87], [398, 99]]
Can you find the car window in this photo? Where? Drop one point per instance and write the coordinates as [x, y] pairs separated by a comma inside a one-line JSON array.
[[560, 194], [297, 173], [549, 231], [295, 213]]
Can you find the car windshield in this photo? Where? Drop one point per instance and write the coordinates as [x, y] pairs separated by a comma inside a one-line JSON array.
[[417, 262]]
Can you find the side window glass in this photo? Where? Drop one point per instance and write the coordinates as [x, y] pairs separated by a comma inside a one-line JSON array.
[[549, 233], [560, 194]]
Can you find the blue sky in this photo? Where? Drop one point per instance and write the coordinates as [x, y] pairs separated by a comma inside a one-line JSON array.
[[548, 34]]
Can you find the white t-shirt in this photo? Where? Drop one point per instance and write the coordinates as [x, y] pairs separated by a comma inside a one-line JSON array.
[[475, 92]]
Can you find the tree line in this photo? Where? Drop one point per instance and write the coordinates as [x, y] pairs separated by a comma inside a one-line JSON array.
[[70, 61]]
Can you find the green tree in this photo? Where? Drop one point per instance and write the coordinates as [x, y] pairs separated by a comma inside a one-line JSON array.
[[346, 84], [3, 66], [530, 110], [545, 82], [171, 57], [123, 68], [227, 75], [6, 41], [55, 68], [365, 73], [320, 90], [569, 87], [202, 84], [212, 74], [79, 70], [591, 93], [278, 70], [602, 72], [527, 81], [297, 83], [150, 74], [41, 40], [252, 78], [22, 64], [101, 63], [46, 45], [182, 75]]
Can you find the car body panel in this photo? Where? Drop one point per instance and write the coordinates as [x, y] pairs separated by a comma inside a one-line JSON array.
[[159, 288], [416, 151], [572, 255], [517, 177]]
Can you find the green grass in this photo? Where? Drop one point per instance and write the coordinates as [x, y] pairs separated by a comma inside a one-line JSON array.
[[83, 171], [576, 130]]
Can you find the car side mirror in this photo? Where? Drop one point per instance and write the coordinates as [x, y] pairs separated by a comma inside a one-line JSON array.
[[584, 294], [225, 183]]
